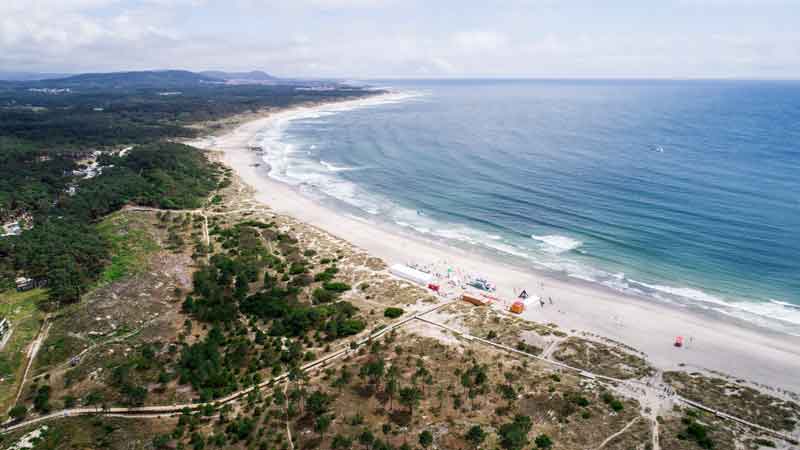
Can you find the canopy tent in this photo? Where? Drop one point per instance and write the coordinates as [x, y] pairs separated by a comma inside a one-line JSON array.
[[411, 274]]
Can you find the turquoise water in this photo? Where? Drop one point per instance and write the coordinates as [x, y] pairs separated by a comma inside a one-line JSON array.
[[684, 191]]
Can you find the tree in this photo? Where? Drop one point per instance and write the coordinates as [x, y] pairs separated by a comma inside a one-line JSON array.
[[343, 379], [341, 442], [41, 401], [424, 374], [322, 424], [391, 384], [543, 442], [410, 397], [374, 370], [161, 441], [317, 403], [514, 435], [299, 377], [366, 438], [475, 435], [18, 412], [425, 439]]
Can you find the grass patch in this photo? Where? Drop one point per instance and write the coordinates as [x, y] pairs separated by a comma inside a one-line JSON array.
[[130, 243], [20, 308]]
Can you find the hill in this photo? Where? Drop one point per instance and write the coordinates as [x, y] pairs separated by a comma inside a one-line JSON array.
[[253, 76], [29, 76], [140, 79]]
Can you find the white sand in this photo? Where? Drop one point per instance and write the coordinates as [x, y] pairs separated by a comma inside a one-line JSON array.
[[716, 344]]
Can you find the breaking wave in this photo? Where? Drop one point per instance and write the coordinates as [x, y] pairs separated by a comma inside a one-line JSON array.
[[557, 244]]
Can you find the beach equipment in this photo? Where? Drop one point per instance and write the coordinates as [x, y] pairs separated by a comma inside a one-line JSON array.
[[482, 284], [679, 341], [433, 287], [518, 307], [477, 301], [410, 274]]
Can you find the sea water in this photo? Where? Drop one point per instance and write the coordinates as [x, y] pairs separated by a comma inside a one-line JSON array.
[[683, 191]]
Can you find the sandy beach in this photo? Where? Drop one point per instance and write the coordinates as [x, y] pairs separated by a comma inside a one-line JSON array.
[[713, 343]]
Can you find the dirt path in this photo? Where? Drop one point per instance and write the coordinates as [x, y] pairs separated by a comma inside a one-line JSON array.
[[32, 351], [654, 434], [547, 353], [624, 429], [95, 345], [288, 422]]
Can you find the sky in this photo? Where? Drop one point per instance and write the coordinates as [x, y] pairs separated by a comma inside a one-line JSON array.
[[362, 39]]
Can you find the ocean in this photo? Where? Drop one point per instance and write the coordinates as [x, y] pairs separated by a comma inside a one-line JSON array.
[[685, 192]]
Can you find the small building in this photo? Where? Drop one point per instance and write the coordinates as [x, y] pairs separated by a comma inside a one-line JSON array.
[[25, 284], [5, 325], [12, 229]]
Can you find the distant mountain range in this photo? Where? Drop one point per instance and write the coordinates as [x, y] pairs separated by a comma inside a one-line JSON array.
[[29, 76], [254, 75], [149, 78], [168, 79]]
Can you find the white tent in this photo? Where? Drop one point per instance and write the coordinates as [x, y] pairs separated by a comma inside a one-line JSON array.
[[411, 274]]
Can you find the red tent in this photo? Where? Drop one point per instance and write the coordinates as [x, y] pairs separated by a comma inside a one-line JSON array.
[[679, 341]]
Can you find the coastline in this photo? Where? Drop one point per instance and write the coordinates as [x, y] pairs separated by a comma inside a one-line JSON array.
[[715, 344]]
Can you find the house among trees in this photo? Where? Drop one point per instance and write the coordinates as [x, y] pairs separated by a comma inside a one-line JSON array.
[[25, 284], [12, 229], [5, 325]]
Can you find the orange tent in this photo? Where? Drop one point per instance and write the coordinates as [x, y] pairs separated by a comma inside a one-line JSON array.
[[518, 307]]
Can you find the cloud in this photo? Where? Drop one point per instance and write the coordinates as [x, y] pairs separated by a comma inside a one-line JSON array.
[[479, 40], [391, 38]]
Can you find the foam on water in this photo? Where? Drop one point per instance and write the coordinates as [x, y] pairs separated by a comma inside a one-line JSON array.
[[290, 165], [553, 252], [557, 244], [335, 168]]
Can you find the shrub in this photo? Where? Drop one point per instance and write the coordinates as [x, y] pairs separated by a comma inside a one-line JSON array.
[[297, 268], [336, 286], [425, 438], [18, 412], [581, 401], [514, 435], [543, 442], [393, 312], [476, 435], [323, 295], [698, 433]]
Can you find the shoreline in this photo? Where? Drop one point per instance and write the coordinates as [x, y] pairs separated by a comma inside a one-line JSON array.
[[714, 344]]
